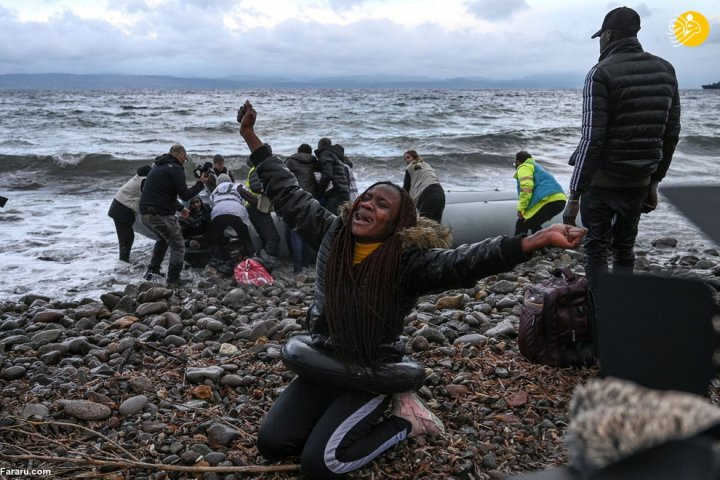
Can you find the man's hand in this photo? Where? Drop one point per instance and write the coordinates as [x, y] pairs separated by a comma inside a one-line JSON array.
[[185, 213], [520, 215], [571, 211], [246, 116], [651, 200]]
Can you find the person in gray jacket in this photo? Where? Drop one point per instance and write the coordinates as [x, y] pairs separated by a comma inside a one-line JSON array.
[[374, 260], [422, 183]]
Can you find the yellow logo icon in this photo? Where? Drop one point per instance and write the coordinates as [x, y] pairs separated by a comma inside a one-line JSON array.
[[690, 29]]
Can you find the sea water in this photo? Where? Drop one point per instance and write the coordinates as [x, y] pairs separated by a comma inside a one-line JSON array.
[[64, 154]]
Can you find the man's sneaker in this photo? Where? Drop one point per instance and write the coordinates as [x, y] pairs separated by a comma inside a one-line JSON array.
[[409, 406], [150, 273]]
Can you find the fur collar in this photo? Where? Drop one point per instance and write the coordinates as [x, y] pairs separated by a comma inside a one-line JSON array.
[[612, 419], [426, 234]]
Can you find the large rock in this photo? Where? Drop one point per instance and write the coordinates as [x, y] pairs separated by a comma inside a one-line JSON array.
[[132, 405], [199, 374], [149, 308], [48, 316], [85, 409], [220, 435]]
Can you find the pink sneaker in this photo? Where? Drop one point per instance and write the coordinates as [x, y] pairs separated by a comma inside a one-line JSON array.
[[409, 406]]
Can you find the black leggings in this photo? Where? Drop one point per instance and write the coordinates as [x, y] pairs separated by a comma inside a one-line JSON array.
[[217, 234], [124, 218], [334, 431], [535, 222], [431, 202]]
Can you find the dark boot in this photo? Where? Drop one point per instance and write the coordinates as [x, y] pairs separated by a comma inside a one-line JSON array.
[[151, 272]]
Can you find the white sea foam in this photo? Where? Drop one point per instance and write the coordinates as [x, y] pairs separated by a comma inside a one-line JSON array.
[[57, 240]]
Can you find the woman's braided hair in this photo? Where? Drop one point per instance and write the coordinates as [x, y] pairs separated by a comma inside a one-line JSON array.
[[363, 305]]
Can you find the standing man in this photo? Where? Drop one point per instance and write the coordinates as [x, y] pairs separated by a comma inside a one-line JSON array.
[[630, 127], [158, 204], [333, 183]]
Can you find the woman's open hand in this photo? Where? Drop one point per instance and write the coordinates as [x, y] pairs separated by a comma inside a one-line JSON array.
[[557, 235]]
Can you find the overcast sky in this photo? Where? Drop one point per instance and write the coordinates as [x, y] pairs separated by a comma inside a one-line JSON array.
[[310, 38]]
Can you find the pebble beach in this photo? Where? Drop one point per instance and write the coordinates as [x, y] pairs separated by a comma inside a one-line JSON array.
[[148, 382]]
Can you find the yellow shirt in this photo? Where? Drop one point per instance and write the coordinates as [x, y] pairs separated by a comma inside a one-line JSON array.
[[362, 250]]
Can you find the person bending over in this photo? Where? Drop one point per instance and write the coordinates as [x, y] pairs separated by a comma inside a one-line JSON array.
[[423, 185], [376, 257], [540, 196]]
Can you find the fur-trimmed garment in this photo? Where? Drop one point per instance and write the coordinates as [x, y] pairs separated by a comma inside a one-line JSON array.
[[426, 264], [612, 419]]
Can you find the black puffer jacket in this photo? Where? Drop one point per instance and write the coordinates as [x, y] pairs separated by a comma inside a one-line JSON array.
[[332, 169], [303, 166], [164, 183], [631, 119], [425, 268]]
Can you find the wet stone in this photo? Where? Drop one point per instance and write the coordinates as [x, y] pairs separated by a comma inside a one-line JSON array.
[[221, 435], [85, 409], [133, 405], [35, 410], [502, 328], [174, 341], [13, 373], [472, 339], [51, 358], [48, 316], [198, 374], [46, 336]]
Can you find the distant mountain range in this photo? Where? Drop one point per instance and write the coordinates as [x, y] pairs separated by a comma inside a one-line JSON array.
[[63, 81]]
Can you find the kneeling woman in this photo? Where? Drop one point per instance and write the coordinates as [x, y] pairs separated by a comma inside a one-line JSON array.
[[374, 261]]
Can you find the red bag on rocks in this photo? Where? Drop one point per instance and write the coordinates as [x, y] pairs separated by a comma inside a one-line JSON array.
[[250, 272]]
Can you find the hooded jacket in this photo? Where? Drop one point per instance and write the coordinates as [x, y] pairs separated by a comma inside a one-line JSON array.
[[426, 264], [631, 119], [332, 170], [303, 166], [164, 183]]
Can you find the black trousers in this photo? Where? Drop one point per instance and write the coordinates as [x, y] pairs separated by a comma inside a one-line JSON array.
[[534, 223], [431, 203], [334, 431], [217, 234], [265, 228], [124, 218], [611, 217]]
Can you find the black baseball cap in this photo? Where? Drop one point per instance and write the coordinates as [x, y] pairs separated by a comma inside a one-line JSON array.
[[622, 18]]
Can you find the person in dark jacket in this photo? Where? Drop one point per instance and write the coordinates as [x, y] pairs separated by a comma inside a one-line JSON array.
[[219, 167], [304, 165], [123, 209], [158, 204], [630, 127], [196, 226], [333, 184], [374, 260]]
